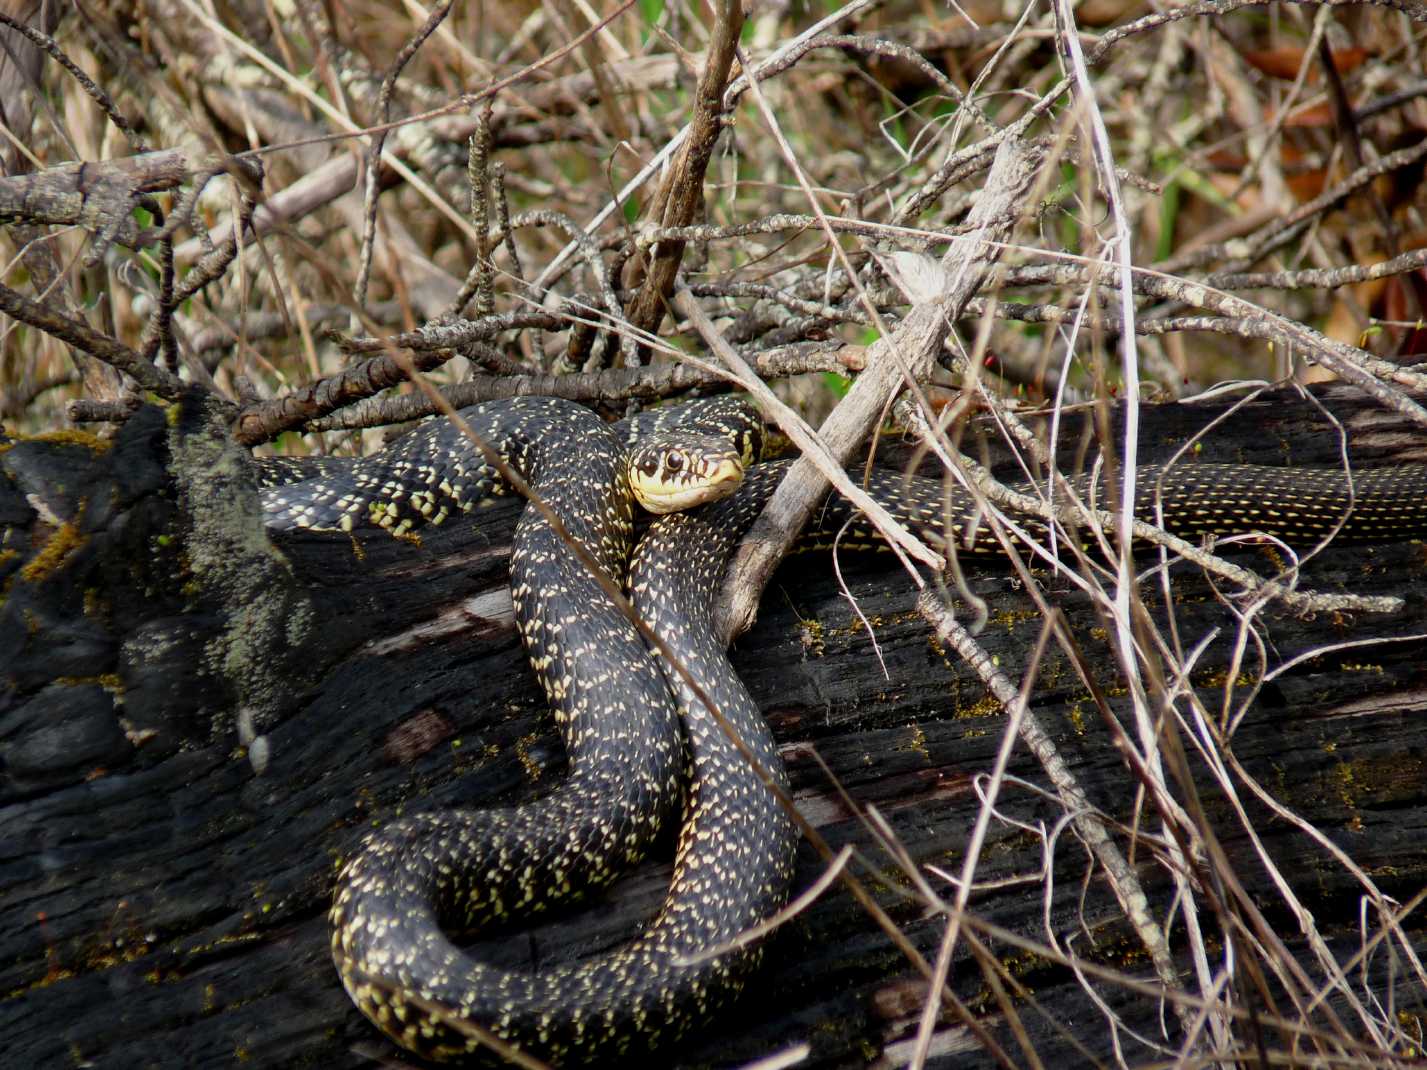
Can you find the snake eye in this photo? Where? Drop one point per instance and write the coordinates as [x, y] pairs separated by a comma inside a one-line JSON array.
[[675, 461]]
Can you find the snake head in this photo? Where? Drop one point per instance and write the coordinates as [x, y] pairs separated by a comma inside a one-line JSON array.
[[676, 471]]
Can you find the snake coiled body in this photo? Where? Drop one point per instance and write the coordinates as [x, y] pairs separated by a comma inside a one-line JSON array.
[[419, 877]]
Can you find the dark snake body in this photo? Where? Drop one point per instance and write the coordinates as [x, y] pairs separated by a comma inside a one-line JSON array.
[[1300, 506], [419, 876], [734, 859]]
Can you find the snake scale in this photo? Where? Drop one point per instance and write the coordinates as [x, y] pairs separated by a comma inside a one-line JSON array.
[[419, 878]]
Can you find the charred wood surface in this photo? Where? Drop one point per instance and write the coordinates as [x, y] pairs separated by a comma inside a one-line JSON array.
[[163, 903]]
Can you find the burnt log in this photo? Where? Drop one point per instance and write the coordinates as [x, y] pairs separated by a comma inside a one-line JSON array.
[[196, 726]]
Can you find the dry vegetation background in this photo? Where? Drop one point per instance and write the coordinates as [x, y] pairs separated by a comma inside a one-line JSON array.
[[1274, 137], [554, 177]]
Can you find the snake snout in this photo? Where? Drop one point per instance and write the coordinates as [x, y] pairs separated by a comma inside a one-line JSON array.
[[667, 478]]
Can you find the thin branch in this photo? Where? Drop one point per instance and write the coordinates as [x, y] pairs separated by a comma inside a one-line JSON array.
[[681, 197], [904, 356], [85, 338]]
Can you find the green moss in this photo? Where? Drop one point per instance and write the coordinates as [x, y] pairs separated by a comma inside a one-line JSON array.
[[108, 680], [92, 442], [73, 437], [225, 552], [532, 768], [63, 542], [917, 742], [986, 706], [813, 639]]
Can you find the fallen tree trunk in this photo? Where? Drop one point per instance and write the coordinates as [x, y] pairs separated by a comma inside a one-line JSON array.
[[193, 730]]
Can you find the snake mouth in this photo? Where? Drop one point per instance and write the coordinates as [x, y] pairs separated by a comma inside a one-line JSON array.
[[707, 480]]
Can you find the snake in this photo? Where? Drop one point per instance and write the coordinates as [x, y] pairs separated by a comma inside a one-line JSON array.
[[421, 877], [632, 745]]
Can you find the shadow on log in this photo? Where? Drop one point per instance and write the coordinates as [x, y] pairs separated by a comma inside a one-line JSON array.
[[195, 728]]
